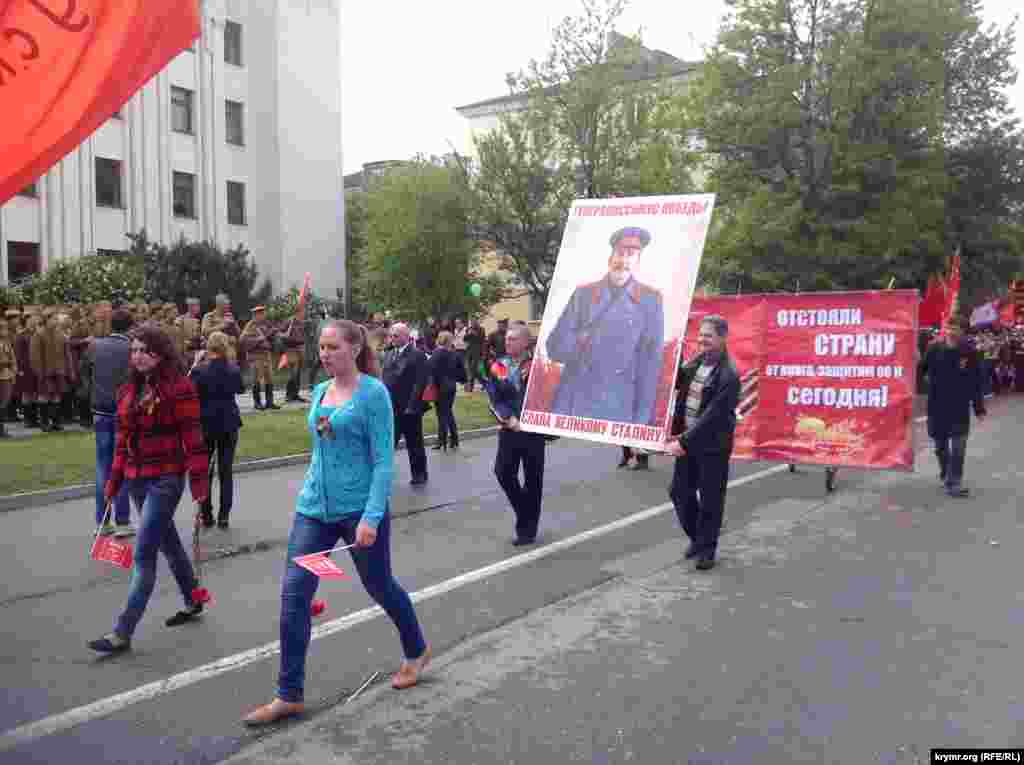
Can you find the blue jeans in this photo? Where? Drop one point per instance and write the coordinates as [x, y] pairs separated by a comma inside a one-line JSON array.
[[106, 438], [373, 563], [950, 452], [158, 498]]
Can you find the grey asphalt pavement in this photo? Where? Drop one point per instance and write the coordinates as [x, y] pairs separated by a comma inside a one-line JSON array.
[[863, 626]]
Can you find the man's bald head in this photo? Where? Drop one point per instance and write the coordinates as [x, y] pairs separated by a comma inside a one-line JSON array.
[[400, 333]]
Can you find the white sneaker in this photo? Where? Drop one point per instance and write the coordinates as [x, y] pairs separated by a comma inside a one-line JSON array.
[[127, 530]]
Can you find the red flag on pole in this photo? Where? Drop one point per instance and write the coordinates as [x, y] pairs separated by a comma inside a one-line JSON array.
[[951, 304], [66, 66], [321, 565]]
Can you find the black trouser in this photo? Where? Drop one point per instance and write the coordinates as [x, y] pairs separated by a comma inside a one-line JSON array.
[[222, 445], [950, 452], [701, 518], [473, 370], [447, 429], [410, 427], [515, 447]]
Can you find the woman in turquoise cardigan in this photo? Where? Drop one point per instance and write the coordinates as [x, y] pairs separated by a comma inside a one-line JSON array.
[[345, 496]]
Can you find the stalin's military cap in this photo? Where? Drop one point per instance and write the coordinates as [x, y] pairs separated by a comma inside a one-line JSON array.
[[640, 233]]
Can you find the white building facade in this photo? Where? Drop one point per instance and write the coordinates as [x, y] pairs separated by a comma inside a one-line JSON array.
[[236, 141]]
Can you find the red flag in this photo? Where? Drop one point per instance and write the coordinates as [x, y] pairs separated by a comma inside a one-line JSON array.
[[66, 66], [111, 550], [321, 565], [930, 312], [300, 313], [952, 293]]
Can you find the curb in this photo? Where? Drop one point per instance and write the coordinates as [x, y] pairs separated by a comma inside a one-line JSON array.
[[25, 500]]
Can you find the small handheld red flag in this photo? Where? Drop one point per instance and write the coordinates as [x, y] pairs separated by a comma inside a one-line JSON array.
[[110, 550], [321, 565]]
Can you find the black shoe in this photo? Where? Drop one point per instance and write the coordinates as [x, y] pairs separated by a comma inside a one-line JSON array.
[[111, 643], [691, 551], [189, 614], [269, 390], [438, 447], [705, 563], [624, 462], [257, 398], [958, 491], [523, 541], [418, 480], [222, 522], [641, 464]]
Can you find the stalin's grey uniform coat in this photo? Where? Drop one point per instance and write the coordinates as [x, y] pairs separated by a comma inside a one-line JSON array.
[[609, 340]]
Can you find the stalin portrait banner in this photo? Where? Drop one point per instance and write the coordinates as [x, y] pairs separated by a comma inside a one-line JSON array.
[[608, 350], [826, 378]]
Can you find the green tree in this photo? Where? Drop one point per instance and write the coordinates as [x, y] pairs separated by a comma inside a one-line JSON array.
[[199, 269], [829, 123], [356, 222], [595, 119], [420, 258]]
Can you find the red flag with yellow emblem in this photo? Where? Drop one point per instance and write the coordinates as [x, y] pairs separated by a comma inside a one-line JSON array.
[[66, 66]]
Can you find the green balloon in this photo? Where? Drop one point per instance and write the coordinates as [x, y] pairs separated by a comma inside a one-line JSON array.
[[474, 289]]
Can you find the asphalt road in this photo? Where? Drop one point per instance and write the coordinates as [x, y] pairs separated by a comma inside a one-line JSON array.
[[52, 599]]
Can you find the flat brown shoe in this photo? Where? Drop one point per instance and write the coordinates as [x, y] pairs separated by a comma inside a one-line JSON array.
[[272, 712], [409, 673]]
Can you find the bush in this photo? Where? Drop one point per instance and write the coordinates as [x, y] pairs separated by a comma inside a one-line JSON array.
[[88, 279]]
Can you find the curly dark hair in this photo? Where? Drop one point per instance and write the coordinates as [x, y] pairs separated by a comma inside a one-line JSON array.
[[161, 345]]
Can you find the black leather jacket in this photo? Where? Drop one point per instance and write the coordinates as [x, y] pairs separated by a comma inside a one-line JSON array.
[[716, 420]]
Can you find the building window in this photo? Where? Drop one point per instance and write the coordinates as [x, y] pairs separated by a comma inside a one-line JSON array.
[[108, 182], [236, 203], [233, 43], [233, 120], [22, 260], [29, 191], [184, 195], [181, 110]]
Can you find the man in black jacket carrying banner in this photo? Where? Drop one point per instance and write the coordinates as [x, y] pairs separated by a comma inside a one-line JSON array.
[[703, 425]]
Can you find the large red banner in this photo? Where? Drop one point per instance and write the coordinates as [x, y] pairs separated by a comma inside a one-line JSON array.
[[826, 378], [66, 66]]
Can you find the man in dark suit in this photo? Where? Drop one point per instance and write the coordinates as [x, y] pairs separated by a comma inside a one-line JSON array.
[[506, 386], [609, 339], [405, 375], [702, 438], [954, 386]]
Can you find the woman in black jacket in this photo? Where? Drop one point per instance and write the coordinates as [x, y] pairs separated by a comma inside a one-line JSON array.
[[218, 381], [446, 372]]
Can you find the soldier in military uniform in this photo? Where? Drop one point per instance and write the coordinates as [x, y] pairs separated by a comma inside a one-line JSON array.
[[609, 339], [258, 341], [190, 324], [26, 386], [79, 337], [12, 317], [8, 370], [48, 356], [294, 336], [101, 318], [221, 319]]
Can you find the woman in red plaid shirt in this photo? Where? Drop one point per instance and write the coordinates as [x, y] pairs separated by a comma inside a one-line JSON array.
[[159, 439]]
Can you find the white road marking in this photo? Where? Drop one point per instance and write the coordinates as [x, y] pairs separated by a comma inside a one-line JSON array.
[[104, 707]]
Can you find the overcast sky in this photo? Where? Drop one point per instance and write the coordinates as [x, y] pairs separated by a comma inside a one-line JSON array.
[[405, 67]]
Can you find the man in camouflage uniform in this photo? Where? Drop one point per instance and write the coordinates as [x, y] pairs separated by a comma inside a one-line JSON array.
[[258, 341], [48, 356]]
